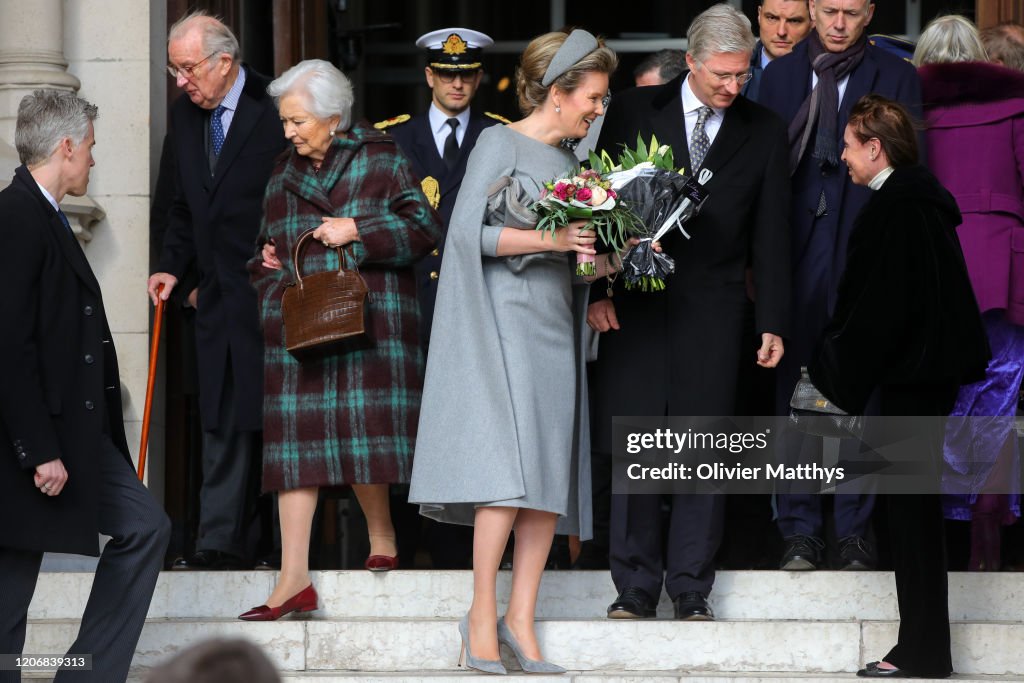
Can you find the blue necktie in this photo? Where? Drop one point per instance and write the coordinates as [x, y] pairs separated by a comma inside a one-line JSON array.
[[217, 130], [64, 220]]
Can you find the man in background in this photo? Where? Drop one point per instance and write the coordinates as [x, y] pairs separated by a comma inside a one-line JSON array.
[[814, 88], [438, 142], [781, 24], [1004, 44]]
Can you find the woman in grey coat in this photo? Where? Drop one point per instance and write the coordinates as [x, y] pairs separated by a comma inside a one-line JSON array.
[[502, 439]]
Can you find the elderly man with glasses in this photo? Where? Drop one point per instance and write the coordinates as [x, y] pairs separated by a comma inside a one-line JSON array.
[[225, 134], [685, 342]]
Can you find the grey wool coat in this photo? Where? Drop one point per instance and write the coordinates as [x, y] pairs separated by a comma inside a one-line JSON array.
[[504, 417], [349, 416]]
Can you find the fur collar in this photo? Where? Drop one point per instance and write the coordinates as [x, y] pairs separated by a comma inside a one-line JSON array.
[[969, 82]]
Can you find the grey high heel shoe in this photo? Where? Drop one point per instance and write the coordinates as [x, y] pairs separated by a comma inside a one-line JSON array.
[[466, 658], [530, 666]]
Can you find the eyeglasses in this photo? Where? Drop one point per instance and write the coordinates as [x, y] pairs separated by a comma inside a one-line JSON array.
[[188, 72], [726, 78], [448, 76]]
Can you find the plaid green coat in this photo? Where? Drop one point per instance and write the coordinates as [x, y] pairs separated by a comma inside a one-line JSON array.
[[345, 418]]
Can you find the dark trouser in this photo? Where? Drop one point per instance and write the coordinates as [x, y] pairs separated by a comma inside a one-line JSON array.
[[638, 539], [124, 582], [918, 538], [225, 499]]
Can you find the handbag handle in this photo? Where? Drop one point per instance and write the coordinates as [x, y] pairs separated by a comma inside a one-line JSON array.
[[300, 244]]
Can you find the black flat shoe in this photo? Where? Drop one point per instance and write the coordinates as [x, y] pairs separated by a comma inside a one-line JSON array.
[[872, 671], [632, 603], [692, 606], [208, 560]]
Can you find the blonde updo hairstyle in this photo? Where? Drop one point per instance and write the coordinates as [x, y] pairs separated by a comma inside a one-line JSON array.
[[534, 63]]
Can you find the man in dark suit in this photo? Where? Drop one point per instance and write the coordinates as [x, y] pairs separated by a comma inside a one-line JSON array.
[[438, 143], [67, 473], [226, 134], [781, 24], [682, 345], [813, 89]]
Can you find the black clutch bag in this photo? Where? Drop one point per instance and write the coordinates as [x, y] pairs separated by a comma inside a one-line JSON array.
[[812, 413]]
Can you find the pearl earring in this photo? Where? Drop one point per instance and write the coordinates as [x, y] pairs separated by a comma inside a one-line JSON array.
[[558, 110]]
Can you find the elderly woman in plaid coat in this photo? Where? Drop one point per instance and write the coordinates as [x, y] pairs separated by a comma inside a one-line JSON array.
[[349, 417]]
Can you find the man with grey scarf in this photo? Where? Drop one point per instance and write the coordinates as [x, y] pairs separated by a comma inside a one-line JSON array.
[[813, 89]]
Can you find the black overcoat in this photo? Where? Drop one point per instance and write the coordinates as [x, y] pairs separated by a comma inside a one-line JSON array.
[[213, 223], [905, 312], [60, 390], [678, 351]]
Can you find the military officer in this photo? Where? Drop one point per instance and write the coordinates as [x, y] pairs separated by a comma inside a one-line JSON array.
[[438, 142]]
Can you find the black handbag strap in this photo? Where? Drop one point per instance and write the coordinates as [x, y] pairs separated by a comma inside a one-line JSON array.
[[299, 249]]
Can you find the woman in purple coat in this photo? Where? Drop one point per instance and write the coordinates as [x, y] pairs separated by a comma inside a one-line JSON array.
[[974, 129]]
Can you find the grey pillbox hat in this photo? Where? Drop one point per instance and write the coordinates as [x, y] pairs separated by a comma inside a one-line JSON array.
[[578, 45]]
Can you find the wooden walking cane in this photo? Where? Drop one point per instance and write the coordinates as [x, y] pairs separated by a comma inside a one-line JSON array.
[[154, 350]]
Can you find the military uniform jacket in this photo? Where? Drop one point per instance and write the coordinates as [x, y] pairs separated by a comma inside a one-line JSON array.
[[60, 389], [441, 187]]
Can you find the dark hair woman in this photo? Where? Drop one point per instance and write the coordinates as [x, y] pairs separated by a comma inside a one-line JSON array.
[[907, 333]]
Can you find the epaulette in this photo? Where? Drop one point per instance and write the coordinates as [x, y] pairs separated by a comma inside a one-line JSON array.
[[497, 117], [901, 47], [387, 123]]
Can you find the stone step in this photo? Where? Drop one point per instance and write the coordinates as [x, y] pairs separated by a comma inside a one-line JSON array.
[[592, 645], [753, 595], [138, 676]]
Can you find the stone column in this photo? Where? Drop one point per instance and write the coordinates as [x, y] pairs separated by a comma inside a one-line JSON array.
[[32, 57]]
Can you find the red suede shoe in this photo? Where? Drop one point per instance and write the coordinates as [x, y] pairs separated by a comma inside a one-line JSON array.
[[381, 563], [303, 601]]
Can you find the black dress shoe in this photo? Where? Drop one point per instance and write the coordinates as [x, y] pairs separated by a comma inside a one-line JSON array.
[[872, 671], [632, 603], [803, 553], [692, 606], [209, 560], [856, 554]]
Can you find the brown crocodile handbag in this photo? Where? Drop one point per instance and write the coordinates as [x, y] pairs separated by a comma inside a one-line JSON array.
[[323, 309]]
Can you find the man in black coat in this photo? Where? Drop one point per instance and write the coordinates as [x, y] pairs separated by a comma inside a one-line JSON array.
[[816, 106], [679, 349], [226, 134], [67, 474]]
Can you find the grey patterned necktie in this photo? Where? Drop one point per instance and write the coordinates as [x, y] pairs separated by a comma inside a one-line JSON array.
[[699, 141]]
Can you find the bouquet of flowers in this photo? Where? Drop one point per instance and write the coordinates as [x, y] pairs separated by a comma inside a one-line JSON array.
[[586, 194], [660, 196]]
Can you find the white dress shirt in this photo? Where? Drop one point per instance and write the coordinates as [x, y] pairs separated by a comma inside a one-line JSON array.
[[690, 107], [440, 128], [842, 85], [230, 101]]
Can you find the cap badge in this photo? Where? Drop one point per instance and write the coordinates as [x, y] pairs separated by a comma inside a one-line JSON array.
[[454, 45]]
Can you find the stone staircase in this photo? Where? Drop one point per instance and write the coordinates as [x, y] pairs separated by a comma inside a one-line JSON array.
[[772, 626]]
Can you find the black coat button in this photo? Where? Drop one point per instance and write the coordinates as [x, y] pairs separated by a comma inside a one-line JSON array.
[[89, 359], [89, 405], [21, 456], [87, 310]]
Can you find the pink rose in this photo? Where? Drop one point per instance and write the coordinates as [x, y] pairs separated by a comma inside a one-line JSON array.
[[613, 194], [583, 194]]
